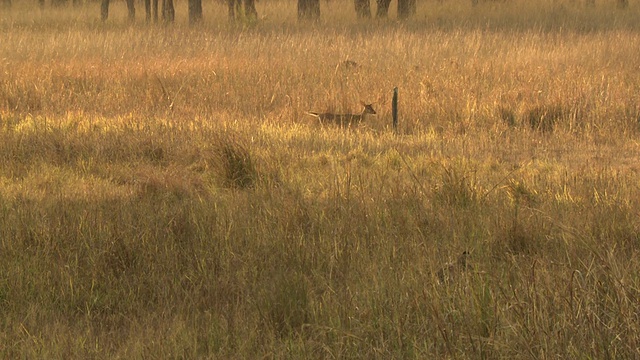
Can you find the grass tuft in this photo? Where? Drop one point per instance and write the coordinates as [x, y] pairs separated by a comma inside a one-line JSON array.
[[458, 187], [236, 166]]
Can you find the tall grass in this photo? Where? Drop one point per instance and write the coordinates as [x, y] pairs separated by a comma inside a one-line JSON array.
[[163, 194]]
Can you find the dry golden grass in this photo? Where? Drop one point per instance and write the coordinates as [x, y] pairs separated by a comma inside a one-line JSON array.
[[163, 193]]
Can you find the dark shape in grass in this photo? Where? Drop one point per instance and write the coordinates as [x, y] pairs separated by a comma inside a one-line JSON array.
[[237, 168], [448, 272], [285, 304], [544, 118], [507, 115]]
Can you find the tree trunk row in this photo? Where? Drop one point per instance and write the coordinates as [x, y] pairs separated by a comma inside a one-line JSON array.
[[406, 8], [310, 9], [54, 3], [151, 9], [307, 9], [236, 10]]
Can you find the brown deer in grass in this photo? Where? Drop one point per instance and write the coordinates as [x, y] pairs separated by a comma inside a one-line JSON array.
[[344, 119]]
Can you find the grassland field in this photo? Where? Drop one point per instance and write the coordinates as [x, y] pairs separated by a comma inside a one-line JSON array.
[[164, 195]]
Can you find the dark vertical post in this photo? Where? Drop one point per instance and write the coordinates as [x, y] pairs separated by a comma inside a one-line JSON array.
[[394, 109]]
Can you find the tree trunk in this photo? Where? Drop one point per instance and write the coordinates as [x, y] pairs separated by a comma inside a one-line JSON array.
[[132, 10], [147, 10], [232, 9], [235, 9], [195, 11], [168, 11], [250, 9], [104, 10], [363, 8], [308, 9], [406, 8], [154, 10], [383, 8]]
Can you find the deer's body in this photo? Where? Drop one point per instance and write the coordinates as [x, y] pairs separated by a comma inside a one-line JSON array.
[[344, 119]]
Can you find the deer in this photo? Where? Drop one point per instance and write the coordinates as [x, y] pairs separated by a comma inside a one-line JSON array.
[[344, 119]]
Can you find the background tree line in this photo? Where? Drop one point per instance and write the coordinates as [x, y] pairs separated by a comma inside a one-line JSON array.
[[246, 9], [165, 10]]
